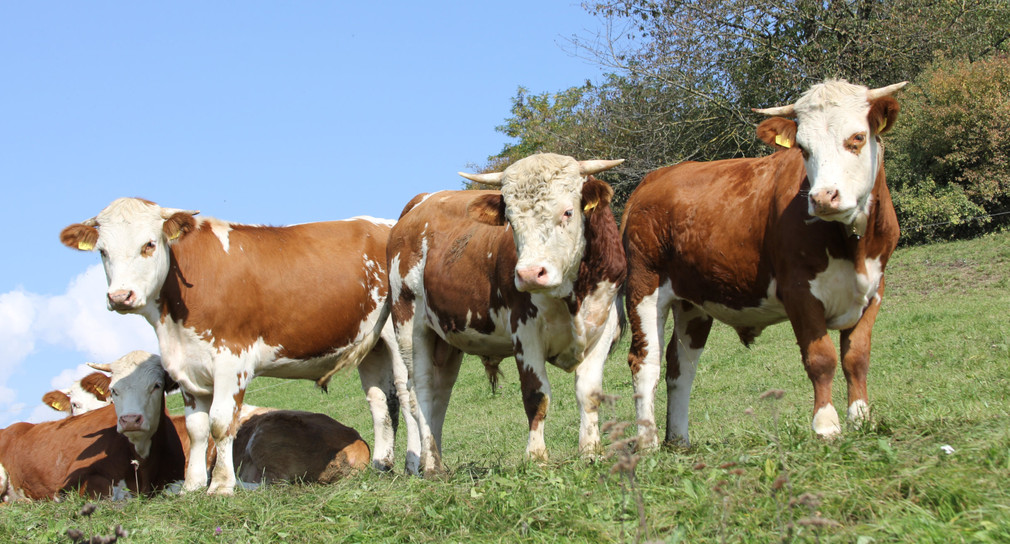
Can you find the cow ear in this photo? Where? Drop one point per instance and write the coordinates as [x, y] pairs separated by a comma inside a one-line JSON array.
[[57, 400], [178, 225], [79, 236], [595, 194], [778, 132], [883, 114], [170, 384], [97, 383], [488, 209]]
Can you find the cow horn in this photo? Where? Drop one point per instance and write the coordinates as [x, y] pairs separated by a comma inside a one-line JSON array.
[[493, 178], [783, 111], [93, 222], [104, 367], [169, 212], [874, 94], [587, 168]]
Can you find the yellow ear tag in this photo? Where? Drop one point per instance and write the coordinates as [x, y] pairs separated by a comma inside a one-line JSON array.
[[883, 124], [590, 206], [58, 406], [99, 389], [783, 141], [85, 246], [176, 235]]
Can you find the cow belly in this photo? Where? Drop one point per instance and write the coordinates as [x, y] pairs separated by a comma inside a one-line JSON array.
[[767, 312], [844, 292]]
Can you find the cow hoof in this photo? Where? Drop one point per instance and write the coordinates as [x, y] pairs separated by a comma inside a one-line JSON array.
[[826, 423], [221, 490], [382, 465], [413, 464]]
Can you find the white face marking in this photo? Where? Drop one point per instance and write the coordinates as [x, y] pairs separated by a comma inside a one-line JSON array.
[[134, 250], [542, 196], [826, 422], [82, 401], [828, 116], [844, 293], [137, 389]]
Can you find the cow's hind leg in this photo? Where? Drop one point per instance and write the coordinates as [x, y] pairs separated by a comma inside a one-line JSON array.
[[690, 332], [648, 304], [855, 344], [423, 376], [445, 370], [376, 374]]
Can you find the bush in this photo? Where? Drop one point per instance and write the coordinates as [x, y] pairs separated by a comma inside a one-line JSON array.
[[950, 170]]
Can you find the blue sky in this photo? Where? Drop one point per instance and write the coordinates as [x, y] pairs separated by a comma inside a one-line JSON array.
[[257, 112]]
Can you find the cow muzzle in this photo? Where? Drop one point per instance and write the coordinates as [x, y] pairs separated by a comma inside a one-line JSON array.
[[826, 203], [131, 423], [534, 278], [122, 300]]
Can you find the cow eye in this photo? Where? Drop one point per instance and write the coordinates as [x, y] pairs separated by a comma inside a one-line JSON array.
[[103, 253], [569, 213], [858, 137]]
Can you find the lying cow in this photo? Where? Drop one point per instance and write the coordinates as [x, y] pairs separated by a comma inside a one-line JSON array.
[[89, 393], [229, 302], [94, 453], [531, 271], [801, 235], [279, 445]]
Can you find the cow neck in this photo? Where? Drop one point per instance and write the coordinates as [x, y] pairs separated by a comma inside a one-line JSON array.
[[162, 462], [603, 258]]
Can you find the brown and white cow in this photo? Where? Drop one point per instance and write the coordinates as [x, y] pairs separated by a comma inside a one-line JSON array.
[[93, 453], [801, 235], [89, 393], [531, 271], [230, 302]]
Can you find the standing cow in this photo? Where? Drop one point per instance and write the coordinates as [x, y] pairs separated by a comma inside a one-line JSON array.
[[802, 235], [531, 271], [230, 302]]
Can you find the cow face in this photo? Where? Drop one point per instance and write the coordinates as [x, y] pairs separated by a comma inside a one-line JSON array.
[[543, 204], [137, 388], [836, 128], [132, 236]]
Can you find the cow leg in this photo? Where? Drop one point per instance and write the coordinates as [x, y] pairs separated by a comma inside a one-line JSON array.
[[197, 409], [423, 376], [589, 387], [690, 333], [819, 359], [376, 374], [647, 313], [229, 391], [407, 401], [536, 391], [447, 361], [855, 347]]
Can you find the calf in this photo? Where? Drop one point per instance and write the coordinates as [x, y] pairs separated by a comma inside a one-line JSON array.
[[89, 393], [801, 235], [128, 446], [531, 271]]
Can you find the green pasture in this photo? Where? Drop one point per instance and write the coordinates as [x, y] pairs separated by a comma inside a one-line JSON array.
[[755, 473]]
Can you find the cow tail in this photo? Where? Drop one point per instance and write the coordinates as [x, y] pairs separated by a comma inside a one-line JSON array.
[[493, 372]]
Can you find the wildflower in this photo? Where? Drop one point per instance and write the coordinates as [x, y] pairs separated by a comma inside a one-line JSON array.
[[946, 448]]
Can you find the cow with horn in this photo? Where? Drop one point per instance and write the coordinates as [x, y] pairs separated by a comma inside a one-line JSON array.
[[531, 271], [803, 235]]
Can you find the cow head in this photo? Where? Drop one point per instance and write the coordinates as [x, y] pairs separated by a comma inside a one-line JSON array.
[[545, 199], [133, 238], [137, 388], [836, 129], [90, 393]]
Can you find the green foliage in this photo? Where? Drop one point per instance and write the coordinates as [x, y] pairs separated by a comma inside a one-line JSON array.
[[755, 472], [950, 165]]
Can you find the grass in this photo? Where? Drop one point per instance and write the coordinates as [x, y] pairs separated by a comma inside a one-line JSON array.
[[938, 377]]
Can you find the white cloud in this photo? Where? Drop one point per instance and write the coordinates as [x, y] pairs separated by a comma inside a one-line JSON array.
[[76, 320]]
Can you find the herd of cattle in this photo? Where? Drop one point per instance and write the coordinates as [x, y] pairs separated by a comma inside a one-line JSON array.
[[534, 271]]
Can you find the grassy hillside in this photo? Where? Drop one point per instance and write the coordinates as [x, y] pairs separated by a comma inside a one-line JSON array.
[[939, 376]]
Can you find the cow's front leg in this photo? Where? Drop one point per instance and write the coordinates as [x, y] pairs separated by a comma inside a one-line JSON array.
[[536, 392], [229, 391], [589, 386], [855, 344], [197, 409], [819, 359]]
